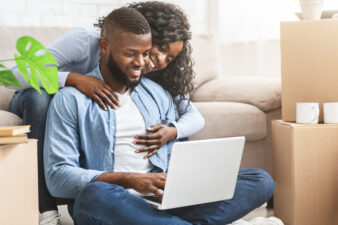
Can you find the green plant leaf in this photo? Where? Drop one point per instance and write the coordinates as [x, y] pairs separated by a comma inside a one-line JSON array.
[[41, 62], [2, 66], [7, 78]]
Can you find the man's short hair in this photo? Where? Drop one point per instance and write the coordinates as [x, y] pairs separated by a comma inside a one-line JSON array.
[[125, 19]]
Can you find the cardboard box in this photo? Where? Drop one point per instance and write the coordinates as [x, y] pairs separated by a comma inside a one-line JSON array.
[[305, 165], [19, 184], [309, 63]]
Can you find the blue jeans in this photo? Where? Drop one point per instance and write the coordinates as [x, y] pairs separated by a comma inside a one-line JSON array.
[[32, 107], [109, 204]]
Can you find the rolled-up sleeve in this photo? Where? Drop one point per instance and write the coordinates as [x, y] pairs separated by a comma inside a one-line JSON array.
[[64, 176]]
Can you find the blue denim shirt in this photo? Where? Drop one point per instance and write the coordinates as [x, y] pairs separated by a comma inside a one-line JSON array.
[[80, 135]]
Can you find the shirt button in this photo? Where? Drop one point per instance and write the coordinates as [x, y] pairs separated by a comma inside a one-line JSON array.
[[113, 127]]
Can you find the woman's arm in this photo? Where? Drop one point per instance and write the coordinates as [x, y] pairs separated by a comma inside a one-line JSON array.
[[190, 120], [78, 51], [72, 47]]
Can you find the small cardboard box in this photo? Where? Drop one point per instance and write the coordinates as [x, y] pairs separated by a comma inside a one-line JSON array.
[[19, 184], [305, 165], [309, 63]]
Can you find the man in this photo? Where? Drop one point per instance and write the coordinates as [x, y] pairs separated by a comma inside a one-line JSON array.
[[89, 154]]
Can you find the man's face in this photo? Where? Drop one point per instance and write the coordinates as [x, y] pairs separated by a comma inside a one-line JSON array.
[[127, 55], [120, 76]]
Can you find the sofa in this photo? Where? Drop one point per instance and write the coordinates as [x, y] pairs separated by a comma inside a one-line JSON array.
[[231, 105]]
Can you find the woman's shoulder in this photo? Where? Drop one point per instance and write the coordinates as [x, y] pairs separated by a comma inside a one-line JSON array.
[[86, 32]]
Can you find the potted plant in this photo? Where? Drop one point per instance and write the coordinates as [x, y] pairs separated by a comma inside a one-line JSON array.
[[40, 61]]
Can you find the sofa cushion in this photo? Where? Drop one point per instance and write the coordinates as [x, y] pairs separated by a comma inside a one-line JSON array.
[[262, 92], [6, 96], [206, 59], [228, 119], [7, 119]]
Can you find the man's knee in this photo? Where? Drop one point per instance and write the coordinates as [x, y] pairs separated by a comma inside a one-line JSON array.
[[95, 199], [96, 194], [267, 183], [261, 179]]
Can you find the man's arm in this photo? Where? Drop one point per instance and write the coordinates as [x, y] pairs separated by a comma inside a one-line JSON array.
[[64, 176], [141, 182]]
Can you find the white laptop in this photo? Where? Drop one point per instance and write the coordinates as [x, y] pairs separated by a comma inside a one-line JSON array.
[[200, 172]]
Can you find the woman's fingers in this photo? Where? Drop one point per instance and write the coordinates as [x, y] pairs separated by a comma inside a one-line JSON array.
[[150, 154], [147, 148], [148, 136], [147, 142], [105, 98], [155, 127], [97, 99], [151, 149], [111, 94], [109, 98]]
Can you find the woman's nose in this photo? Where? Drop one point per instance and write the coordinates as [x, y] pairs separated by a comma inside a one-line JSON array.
[[161, 60]]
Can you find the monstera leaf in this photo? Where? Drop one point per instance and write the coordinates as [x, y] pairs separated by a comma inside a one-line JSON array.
[[40, 61], [7, 78]]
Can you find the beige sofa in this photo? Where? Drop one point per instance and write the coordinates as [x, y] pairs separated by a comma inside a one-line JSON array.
[[231, 105]]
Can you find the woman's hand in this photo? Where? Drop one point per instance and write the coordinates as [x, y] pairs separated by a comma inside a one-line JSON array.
[[94, 88], [162, 134]]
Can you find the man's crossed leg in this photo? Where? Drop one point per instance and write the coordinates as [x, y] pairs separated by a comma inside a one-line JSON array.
[[109, 204]]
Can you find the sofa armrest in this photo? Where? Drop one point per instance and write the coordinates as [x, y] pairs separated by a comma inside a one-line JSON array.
[[262, 92], [6, 95], [9, 119]]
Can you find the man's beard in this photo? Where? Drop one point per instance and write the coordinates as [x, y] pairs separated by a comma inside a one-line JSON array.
[[118, 75]]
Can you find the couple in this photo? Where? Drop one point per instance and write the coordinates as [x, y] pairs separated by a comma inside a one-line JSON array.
[[93, 155]]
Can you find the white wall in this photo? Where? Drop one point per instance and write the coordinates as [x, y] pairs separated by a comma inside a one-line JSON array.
[[74, 13], [253, 58], [248, 35]]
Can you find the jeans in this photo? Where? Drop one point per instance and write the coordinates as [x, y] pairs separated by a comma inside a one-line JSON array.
[[109, 204], [32, 107]]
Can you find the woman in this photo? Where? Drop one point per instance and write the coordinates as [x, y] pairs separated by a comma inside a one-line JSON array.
[[78, 52]]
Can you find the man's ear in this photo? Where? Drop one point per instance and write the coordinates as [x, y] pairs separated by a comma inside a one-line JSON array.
[[103, 46]]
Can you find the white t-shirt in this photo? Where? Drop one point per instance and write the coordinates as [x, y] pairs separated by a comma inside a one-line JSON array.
[[129, 122]]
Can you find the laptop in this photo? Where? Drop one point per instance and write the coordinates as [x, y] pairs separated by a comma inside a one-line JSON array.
[[200, 172]]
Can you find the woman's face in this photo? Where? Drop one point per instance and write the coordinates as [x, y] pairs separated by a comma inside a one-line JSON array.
[[161, 55]]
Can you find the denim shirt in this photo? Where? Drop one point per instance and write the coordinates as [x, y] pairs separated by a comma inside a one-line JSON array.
[[80, 135]]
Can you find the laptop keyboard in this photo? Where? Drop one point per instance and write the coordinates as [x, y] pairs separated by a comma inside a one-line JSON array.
[[152, 198]]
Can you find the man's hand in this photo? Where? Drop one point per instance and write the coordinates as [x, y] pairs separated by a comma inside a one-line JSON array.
[[94, 88], [162, 134], [147, 182], [141, 182]]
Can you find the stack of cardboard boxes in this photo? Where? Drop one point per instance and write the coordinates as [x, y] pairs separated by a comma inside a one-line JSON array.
[[305, 156], [19, 183]]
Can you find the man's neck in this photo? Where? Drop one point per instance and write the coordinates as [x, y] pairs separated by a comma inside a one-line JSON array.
[[111, 82]]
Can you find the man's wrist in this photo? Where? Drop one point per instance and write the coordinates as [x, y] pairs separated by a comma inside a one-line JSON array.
[[119, 178]]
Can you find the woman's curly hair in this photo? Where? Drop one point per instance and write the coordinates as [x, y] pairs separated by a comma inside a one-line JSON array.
[[169, 24]]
